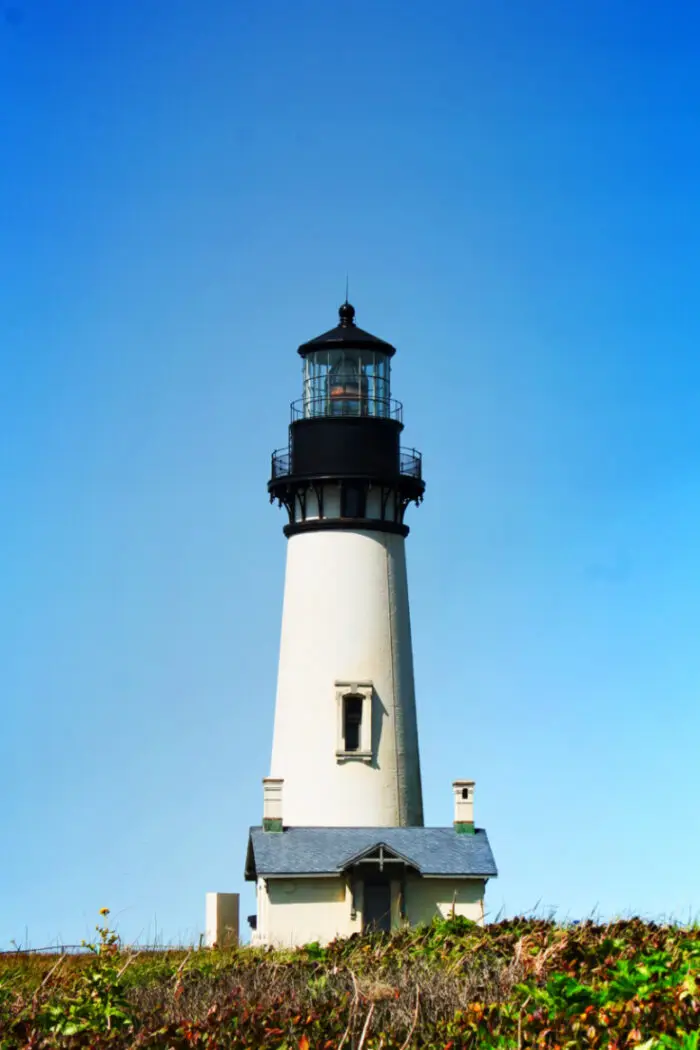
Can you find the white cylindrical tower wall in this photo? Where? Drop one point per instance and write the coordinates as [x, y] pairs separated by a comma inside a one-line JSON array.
[[346, 629]]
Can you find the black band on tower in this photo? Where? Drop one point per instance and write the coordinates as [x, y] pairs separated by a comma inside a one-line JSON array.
[[359, 524]]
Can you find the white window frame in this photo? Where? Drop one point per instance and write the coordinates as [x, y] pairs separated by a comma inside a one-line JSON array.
[[365, 690]]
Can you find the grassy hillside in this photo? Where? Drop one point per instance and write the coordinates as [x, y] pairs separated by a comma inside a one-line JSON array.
[[520, 983]]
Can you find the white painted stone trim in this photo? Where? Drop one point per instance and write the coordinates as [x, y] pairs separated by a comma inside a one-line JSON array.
[[366, 749]]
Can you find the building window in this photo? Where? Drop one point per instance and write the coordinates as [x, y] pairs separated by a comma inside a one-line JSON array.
[[465, 793], [354, 706], [354, 500], [352, 721]]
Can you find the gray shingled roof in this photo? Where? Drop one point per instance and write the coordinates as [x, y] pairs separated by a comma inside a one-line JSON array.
[[325, 851]]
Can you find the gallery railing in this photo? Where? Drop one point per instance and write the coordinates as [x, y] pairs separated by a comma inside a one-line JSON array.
[[410, 463]]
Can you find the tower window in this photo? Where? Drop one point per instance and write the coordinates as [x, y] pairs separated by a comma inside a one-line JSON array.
[[352, 722], [465, 793], [354, 499], [354, 733]]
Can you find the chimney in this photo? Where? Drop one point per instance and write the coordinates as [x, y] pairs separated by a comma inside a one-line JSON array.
[[464, 806], [272, 804]]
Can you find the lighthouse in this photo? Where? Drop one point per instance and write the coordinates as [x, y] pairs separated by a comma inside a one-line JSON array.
[[342, 846], [345, 707]]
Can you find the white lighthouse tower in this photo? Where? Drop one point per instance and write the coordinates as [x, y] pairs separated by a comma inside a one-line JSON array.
[[345, 737], [342, 846]]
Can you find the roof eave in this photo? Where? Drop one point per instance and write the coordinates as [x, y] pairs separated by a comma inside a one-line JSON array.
[[301, 874], [250, 873], [349, 338], [341, 872], [458, 875]]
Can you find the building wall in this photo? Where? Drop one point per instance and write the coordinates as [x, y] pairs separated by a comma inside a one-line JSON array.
[[427, 898], [298, 911], [346, 618]]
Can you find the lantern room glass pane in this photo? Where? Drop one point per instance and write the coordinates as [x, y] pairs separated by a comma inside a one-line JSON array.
[[346, 383]]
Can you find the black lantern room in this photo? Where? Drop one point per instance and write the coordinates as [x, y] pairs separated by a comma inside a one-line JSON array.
[[344, 466]]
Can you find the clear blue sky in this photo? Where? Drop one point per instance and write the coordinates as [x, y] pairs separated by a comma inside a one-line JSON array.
[[513, 188]]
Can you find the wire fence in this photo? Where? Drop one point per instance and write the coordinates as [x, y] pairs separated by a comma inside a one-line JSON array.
[[83, 949]]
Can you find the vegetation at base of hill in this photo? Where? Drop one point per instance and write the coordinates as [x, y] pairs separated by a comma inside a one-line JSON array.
[[514, 984]]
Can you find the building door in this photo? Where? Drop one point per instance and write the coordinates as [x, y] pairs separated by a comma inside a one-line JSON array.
[[377, 905]]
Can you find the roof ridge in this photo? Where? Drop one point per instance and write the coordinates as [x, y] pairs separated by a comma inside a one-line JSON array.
[[364, 827]]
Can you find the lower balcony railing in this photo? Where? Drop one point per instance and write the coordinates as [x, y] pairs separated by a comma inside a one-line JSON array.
[[281, 463], [410, 463]]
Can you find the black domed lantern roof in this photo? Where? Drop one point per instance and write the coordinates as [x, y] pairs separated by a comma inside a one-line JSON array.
[[347, 336]]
